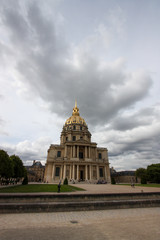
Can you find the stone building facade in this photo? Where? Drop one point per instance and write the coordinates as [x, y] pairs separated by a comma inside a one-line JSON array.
[[76, 158], [35, 173]]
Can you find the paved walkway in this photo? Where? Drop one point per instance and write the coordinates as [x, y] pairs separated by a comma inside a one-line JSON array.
[[131, 224], [109, 188]]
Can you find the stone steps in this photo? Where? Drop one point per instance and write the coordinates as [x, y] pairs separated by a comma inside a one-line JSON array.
[[78, 197], [76, 206], [41, 202]]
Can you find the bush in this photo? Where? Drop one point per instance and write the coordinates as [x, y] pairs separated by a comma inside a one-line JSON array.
[[113, 180], [65, 181], [25, 181], [143, 180]]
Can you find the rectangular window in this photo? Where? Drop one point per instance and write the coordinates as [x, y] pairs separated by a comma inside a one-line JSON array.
[[101, 172], [100, 155], [74, 138], [59, 154], [66, 138], [80, 154], [57, 171]]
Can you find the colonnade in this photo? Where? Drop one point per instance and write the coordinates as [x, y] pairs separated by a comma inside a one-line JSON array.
[[75, 169], [75, 151]]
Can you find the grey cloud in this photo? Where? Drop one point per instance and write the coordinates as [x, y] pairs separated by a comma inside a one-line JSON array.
[[143, 117], [1, 96], [29, 151], [133, 144], [48, 69]]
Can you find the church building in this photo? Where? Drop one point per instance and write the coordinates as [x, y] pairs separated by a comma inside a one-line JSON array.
[[76, 158]]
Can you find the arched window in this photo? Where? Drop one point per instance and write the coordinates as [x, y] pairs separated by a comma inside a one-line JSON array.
[[100, 155]]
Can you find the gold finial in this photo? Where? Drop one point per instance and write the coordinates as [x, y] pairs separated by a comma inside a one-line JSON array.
[[75, 110]]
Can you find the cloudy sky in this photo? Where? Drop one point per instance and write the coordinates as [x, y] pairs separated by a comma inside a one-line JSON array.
[[104, 53]]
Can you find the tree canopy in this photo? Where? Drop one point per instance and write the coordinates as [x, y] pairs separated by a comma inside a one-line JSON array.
[[151, 174], [18, 168], [10, 167], [6, 165]]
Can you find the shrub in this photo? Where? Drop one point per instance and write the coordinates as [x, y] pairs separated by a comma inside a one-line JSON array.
[[113, 180], [25, 181], [65, 181], [143, 180]]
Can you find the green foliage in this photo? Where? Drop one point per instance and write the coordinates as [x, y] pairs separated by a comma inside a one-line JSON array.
[[25, 181], [17, 166], [143, 185], [65, 181], [113, 181], [142, 174], [153, 173], [10, 167], [6, 165], [144, 179]]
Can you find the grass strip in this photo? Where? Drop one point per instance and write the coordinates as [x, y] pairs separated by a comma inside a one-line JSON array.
[[142, 185], [35, 188]]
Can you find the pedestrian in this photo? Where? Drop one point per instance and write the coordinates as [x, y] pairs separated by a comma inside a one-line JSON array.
[[59, 187]]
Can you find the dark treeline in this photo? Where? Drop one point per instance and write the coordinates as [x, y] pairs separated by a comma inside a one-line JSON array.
[[11, 168], [151, 174]]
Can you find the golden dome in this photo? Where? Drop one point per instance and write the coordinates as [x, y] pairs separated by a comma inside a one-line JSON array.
[[75, 118]]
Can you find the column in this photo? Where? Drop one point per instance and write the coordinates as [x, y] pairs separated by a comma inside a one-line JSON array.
[[77, 172], [108, 174], [53, 170], [97, 172], [65, 151], [77, 151], [70, 175], [85, 151], [61, 172], [89, 152], [64, 171], [74, 151], [105, 173], [73, 175], [86, 172], [90, 171]]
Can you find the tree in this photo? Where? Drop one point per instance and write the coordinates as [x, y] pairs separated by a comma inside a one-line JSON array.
[[142, 174], [153, 173], [65, 181], [6, 165], [25, 181], [113, 181], [17, 166]]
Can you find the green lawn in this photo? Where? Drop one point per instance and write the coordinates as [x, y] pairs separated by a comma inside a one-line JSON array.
[[34, 188], [143, 185]]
